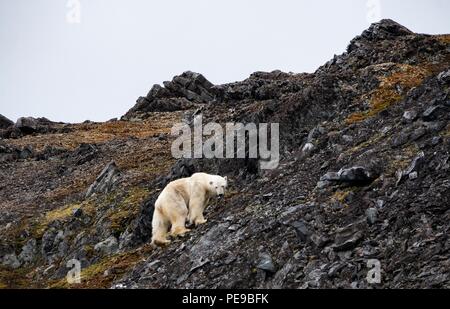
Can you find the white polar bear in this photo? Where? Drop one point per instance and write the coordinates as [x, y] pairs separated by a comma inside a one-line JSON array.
[[181, 200]]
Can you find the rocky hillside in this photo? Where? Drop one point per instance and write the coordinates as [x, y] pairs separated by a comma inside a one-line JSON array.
[[364, 174]]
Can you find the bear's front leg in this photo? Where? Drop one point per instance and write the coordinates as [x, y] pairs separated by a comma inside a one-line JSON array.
[[196, 207], [200, 220]]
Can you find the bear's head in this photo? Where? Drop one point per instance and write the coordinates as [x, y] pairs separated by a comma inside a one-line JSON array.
[[218, 185]]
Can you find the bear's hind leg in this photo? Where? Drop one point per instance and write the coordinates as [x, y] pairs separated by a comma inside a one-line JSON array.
[[160, 226], [178, 220]]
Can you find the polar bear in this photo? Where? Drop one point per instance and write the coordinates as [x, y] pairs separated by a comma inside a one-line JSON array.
[[184, 200]]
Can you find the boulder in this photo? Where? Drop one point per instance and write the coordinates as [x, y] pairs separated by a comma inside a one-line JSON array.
[[27, 124], [11, 261], [28, 253], [356, 175], [108, 246], [5, 122]]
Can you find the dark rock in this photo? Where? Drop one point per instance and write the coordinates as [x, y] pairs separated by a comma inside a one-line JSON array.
[[5, 122], [105, 181], [385, 29], [431, 113], [182, 93], [415, 164], [11, 261], [302, 230], [354, 175], [265, 263], [27, 124], [108, 246], [26, 153], [371, 215], [444, 77], [28, 253], [347, 238], [77, 213], [410, 115]]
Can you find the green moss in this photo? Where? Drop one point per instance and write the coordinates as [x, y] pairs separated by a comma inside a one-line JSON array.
[[127, 209]]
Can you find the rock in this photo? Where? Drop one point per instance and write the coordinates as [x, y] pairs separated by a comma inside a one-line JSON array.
[[308, 148], [347, 238], [444, 77], [265, 263], [431, 113], [371, 215], [77, 212], [413, 176], [323, 184], [355, 175], [315, 133], [320, 241], [347, 139], [301, 229], [182, 93], [27, 124], [410, 115], [108, 246], [26, 153], [29, 251], [415, 164], [53, 244], [105, 180], [385, 29], [11, 261], [5, 122], [435, 140]]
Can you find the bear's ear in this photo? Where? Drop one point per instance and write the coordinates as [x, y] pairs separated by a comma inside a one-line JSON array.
[[226, 178]]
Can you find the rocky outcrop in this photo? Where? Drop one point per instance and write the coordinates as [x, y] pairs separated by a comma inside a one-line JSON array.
[[5, 122], [182, 93], [105, 181]]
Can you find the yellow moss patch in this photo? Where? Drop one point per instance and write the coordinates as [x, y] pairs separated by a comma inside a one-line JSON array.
[[363, 145], [340, 196], [444, 38], [94, 275], [446, 132], [402, 162], [61, 213], [94, 133], [14, 278], [405, 76]]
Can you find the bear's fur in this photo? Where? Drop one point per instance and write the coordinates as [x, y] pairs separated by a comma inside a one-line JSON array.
[[184, 200]]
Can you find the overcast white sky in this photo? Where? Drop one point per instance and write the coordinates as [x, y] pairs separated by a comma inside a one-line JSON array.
[[97, 68]]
